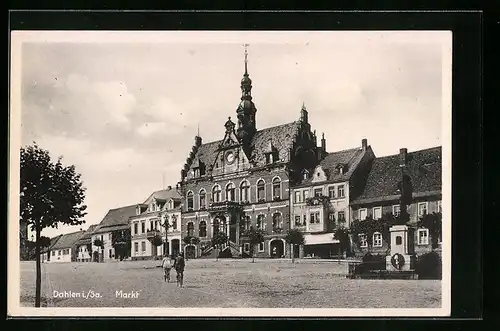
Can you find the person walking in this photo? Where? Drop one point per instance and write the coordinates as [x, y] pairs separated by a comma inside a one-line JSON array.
[[179, 265], [166, 263]]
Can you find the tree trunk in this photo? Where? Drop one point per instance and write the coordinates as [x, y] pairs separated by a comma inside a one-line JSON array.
[[253, 254], [38, 269], [293, 253], [216, 253]]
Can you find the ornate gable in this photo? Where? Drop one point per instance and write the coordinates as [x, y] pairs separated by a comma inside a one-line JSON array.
[[231, 156], [319, 175]]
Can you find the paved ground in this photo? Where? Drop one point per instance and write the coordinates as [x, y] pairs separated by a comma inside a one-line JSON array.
[[224, 283]]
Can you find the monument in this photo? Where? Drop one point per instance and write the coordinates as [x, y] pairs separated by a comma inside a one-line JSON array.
[[401, 257]]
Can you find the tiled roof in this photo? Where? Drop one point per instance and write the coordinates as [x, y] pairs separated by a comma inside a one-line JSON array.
[[68, 240], [164, 195], [114, 217], [423, 168], [349, 157], [53, 241], [281, 136], [86, 238]]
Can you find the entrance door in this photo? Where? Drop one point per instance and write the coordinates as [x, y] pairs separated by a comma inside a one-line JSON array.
[[277, 248], [190, 252], [175, 246]]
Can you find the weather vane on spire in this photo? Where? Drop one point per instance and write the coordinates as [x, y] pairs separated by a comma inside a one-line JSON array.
[[246, 57]]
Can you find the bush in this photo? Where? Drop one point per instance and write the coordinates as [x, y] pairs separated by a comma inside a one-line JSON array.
[[368, 257], [371, 262], [429, 266]]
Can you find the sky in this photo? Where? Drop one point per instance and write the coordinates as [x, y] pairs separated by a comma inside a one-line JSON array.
[[125, 112]]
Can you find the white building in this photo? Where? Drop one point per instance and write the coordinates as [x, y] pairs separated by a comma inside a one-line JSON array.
[[321, 202], [159, 215], [115, 223], [64, 249], [46, 251], [84, 245]]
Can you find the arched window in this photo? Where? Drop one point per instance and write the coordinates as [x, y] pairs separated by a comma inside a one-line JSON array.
[[261, 192], [245, 191], [276, 188], [203, 229], [216, 193], [277, 222], [377, 239], [190, 229], [190, 200], [203, 199], [230, 190], [261, 222]]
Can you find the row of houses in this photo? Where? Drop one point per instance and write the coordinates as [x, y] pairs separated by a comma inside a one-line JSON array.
[[274, 179], [356, 185]]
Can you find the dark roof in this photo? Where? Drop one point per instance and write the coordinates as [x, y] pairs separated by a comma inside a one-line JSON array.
[[53, 241], [423, 168], [116, 217], [281, 136], [87, 236], [68, 240], [164, 195], [349, 158]]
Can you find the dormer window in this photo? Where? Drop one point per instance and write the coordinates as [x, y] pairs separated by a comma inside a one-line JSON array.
[[271, 153], [305, 174], [341, 168], [171, 204]]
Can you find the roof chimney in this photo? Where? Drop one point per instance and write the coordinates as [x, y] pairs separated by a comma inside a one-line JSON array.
[[403, 153], [364, 144], [169, 187]]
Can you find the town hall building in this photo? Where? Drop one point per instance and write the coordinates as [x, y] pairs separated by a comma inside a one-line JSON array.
[[244, 179]]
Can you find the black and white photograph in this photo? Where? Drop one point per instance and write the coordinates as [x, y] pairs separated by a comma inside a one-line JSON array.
[[230, 173]]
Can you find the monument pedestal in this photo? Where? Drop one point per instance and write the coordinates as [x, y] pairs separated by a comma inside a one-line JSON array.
[[401, 257]]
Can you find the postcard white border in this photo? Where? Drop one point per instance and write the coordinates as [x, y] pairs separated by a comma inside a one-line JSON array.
[[238, 37]]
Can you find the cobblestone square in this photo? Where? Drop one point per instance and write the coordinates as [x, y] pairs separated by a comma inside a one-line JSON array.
[[223, 283]]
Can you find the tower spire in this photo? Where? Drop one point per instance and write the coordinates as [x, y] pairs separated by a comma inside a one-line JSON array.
[[246, 60], [246, 109]]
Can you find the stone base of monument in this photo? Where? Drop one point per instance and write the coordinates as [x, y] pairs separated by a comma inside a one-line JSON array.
[[385, 274], [399, 262]]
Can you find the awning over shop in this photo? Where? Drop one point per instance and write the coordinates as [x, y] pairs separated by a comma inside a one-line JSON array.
[[322, 238]]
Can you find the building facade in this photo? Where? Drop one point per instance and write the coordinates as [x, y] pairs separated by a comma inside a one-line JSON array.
[[159, 215], [84, 245], [416, 176], [115, 223], [320, 203], [47, 253], [64, 249], [244, 180]]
